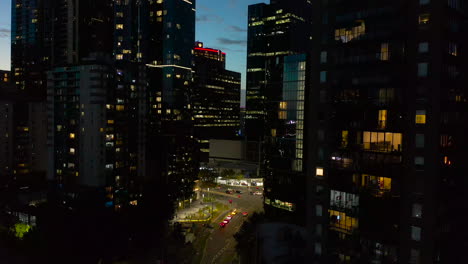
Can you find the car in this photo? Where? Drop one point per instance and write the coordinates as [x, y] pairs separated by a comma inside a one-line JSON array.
[[244, 183], [257, 193], [245, 213], [226, 221], [229, 192], [228, 217], [222, 224], [233, 213], [237, 191]]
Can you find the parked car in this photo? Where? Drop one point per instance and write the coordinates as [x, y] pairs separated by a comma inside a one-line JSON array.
[[229, 192], [237, 191], [245, 213]]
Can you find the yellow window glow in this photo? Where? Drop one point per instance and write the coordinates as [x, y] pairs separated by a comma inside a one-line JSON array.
[[319, 171], [420, 116]]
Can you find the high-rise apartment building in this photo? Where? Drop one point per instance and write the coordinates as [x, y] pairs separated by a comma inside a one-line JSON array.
[[216, 103], [153, 42], [79, 29], [386, 119], [23, 130], [30, 45], [82, 140], [278, 38]]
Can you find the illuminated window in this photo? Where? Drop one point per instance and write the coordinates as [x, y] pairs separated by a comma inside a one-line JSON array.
[[344, 138], [415, 233], [382, 119], [420, 116], [339, 221], [72, 151], [344, 201], [319, 171], [120, 107], [283, 105], [379, 185], [323, 77], [72, 135], [347, 34], [119, 56], [416, 211], [453, 49], [110, 121], [282, 115], [119, 26], [384, 52], [273, 132], [119, 14], [382, 141], [424, 19], [447, 161]]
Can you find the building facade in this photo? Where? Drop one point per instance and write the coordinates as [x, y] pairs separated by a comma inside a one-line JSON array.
[[82, 140], [278, 39], [386, 119], [216, 104]]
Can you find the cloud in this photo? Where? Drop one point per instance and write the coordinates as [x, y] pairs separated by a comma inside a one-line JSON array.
[[5, 33], [209, 18], [226, 41], [204, 8], [236, 29]]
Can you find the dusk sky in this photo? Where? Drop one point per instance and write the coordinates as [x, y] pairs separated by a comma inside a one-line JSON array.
[[221, 24]]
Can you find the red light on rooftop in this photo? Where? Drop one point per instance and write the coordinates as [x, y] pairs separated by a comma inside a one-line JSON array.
[[210, 50]]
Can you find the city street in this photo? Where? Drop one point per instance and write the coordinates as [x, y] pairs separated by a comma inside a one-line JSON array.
[[220, 246]]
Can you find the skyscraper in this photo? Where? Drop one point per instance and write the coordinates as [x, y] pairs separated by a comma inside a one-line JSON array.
[[274, 31], [278, 38], [153, 40], [386, 119], [216, 103], [30, 45], [82, 138]]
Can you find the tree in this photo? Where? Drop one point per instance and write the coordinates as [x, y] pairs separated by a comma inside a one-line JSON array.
[[228, 173], [246, 237], [207, 178]]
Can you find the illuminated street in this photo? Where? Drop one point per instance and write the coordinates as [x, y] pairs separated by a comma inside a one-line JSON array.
[[220, 246]]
